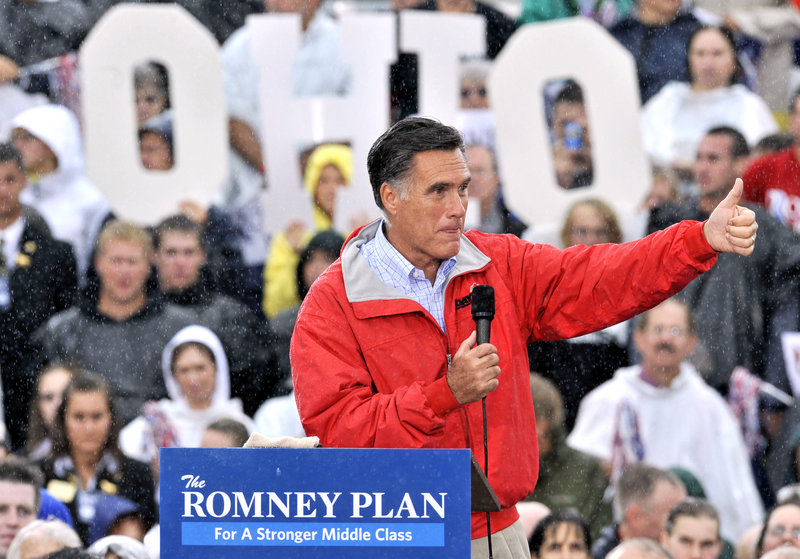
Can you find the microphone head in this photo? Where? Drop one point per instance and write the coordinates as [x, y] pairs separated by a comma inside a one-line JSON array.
[[482, 302]]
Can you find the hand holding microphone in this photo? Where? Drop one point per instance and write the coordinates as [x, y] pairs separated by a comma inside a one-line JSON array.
[[474, 370]]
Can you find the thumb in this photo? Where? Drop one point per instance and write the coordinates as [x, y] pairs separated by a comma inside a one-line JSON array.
[[735, 194], [467, 344]]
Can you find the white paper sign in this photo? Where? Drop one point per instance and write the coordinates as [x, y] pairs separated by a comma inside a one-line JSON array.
[[540, 53], [440, 40], [127, 35], [289, 123]]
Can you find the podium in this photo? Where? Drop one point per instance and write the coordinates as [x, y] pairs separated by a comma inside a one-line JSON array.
[[218, 503]]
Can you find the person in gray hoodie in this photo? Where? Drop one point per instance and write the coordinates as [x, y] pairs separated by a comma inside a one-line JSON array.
[[119, 331]]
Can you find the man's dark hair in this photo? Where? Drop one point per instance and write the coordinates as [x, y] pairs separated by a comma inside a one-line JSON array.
[[14, 469], [234, 429], [178, 223], [739, 146], [9, 153], [570, 93], [772, 143], [692, 507], [551, 523], [391, 157]]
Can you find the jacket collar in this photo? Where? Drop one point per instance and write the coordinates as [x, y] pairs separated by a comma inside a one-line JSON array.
[[360, 282]]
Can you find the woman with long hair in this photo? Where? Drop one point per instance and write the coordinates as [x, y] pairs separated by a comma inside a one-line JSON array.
[[85, 460]]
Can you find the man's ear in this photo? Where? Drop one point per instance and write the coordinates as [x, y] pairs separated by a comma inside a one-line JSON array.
[[390, 197]]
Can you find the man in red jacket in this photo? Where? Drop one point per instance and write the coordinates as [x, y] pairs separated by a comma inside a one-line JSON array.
[[403, 368]]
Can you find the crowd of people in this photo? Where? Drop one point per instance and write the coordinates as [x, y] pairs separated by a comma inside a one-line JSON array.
[[674, 433]]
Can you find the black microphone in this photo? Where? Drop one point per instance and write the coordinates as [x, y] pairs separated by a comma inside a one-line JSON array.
[[483, 314], [483, 311]]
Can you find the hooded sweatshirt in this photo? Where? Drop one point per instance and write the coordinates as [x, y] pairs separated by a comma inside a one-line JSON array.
[[72, 206], [170, 421]]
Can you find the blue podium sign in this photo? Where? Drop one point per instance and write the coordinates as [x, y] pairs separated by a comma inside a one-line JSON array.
[[218, 503]]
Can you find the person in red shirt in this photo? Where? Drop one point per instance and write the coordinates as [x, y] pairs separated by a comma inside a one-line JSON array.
[[774, 179]]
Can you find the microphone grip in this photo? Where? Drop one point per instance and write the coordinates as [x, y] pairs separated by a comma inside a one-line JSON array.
[[483, 327]]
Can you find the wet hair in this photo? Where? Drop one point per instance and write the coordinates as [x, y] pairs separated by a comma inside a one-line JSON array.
[[178, 223], [85, 382], [793, 501], [154, 74], [605, 211], [739, 145], [547, 402], [14, 469], [8, 153], [637, 484], [180, 348], [571, 92], [118, 230], [727, 34], [645, 548], [391, 157], [778, 141], [37, 429], [550, 524], [694, 508], [476, 69], [234, 429], [52, 531], [329, 242]]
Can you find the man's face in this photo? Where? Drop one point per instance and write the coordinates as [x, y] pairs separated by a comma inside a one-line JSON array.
[[650, 519], [12, 181], [693, 538], [665, 340], [17, 509], [473, 94], [783, 528], [715, 168], [485, 182], [123, 268], [154, 152], [427, 213], [178, 259]]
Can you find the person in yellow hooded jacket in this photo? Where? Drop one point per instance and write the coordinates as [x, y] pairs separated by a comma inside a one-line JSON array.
[[329, 167]]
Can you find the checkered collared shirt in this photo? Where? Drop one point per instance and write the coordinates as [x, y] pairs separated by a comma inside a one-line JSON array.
[[393, 269]]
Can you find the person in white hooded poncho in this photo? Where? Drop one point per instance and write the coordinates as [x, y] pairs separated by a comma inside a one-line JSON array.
[[196, 375], [49, 139], [661, 412]]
